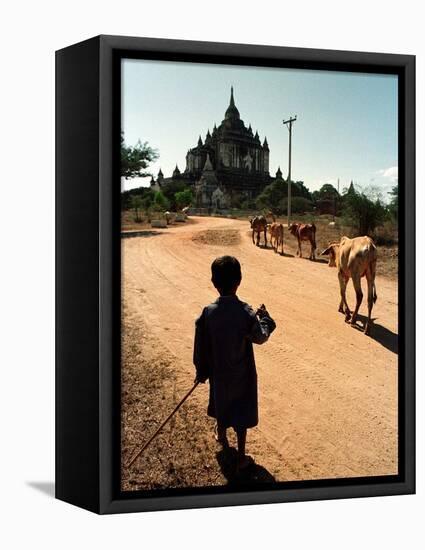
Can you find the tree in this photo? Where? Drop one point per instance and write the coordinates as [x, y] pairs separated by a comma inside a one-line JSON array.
[[362, 212], [299, 205], [327, 199], [145, 193], [272, 195], [393, 206], [183, 198], [148, 199], [160, 202], [136, 203], [169, 190], [135, 160], [328, 191]]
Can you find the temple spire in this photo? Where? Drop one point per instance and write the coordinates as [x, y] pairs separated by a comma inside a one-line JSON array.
[[176, 172], [232, 99], [232, 112], [208, 165]]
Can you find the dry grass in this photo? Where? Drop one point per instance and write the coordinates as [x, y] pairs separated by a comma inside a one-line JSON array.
[[128, 221], [183, 454], [218, 237]]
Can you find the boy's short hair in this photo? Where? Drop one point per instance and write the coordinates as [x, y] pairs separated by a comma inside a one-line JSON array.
[[226, 273]]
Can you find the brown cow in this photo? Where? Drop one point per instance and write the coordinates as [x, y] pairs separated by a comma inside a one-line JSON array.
[[259, 224], [355, 258], [304, 232], [276, 236]]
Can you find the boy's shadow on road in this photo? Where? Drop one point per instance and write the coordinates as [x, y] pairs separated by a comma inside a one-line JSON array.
[[252, 474]]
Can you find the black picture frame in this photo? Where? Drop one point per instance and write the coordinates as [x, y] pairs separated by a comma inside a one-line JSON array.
[[88, 274]]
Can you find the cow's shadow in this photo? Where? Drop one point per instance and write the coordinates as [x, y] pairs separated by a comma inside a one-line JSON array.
[[253, 474], [383, 335], [306, 256], [285, 253], [315, 261]]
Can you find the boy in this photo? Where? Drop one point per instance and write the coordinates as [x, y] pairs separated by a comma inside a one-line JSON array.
[[223, 353]]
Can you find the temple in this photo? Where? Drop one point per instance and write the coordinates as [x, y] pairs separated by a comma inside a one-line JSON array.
[[231, 161]]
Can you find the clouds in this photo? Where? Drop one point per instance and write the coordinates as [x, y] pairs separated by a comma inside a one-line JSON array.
[[390, 173]]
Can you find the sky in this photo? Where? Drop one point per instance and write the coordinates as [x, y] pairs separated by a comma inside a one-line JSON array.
[[346, 124]]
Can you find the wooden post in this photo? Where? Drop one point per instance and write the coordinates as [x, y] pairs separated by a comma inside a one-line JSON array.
[[288, 123]]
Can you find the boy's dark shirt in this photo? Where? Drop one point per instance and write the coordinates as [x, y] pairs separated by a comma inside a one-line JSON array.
[[223, 352]]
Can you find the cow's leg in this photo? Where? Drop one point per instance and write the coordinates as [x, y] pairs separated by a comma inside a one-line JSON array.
[[300, 252], [265, 237], [311, 250], [371, 297], [253, 231], [258, 238], [359, 296], [343, 280]]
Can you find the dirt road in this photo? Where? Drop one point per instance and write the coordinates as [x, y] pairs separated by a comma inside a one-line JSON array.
[[327, 392]]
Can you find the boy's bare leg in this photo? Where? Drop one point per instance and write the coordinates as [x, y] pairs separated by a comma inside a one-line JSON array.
[[222, 435], [243, 460]]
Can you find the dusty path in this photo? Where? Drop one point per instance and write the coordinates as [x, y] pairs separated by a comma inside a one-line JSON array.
[[328, 393]]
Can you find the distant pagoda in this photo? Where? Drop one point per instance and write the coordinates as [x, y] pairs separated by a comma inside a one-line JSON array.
[[231, 160]]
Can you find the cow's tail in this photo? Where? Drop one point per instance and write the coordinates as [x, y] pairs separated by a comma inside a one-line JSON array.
[[375, 296], [373, 272]]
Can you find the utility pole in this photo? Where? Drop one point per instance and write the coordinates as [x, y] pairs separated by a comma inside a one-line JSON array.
[[288, 123], [336, 198]]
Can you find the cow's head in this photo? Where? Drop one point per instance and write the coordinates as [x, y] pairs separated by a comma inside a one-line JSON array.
[[331, 251], [293, 228]]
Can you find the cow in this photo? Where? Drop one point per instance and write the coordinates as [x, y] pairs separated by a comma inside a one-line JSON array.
[[259, 224], [304, 232], [355, 258], [276, 236]]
